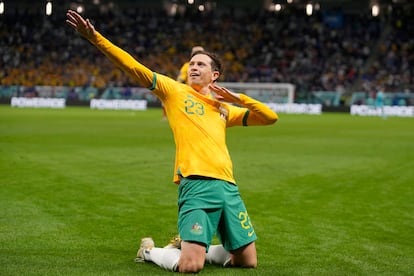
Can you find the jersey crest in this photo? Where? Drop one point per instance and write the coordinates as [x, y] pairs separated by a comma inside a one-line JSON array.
[[224, 113]]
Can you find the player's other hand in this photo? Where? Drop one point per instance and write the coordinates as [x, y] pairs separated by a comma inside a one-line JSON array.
[[82, 26], [223, 94]]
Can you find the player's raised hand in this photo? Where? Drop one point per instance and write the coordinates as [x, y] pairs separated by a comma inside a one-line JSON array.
[[82, 26], [223, 94]]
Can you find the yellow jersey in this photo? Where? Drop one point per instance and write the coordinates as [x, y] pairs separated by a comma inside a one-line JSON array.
[[198, 122]]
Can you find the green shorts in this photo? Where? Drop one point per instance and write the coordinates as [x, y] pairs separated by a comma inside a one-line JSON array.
[[208, 207]]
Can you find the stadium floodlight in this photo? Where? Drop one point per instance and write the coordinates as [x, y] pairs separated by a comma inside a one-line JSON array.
[[79, 9], [1, 7], [278, 7], [275, 7], [49, 8], [309, 9], [375, 10]]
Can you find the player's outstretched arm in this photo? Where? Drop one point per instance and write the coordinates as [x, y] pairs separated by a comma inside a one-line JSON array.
[[79, 24], [119, 57]]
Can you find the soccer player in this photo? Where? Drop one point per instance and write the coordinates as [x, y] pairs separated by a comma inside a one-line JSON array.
[[208, 197]]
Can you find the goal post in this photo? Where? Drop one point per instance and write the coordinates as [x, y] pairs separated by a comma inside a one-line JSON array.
[[282, 93]]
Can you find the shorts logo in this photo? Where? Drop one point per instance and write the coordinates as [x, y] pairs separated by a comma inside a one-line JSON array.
[[197, 229]]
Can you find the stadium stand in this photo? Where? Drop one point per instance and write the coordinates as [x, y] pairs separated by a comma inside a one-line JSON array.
[[355, 54]]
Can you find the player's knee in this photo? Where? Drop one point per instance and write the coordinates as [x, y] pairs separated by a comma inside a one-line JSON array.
[[250, 264], [245, 257], [190, 266], [192, 257], [244, 264]]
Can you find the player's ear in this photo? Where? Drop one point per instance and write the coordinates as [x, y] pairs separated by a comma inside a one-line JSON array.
[[216, 75]]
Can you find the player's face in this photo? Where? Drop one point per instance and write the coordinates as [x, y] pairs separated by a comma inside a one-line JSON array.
[[200, 72]]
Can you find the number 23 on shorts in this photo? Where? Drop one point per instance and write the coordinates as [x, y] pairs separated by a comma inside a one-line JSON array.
[[246, 223]]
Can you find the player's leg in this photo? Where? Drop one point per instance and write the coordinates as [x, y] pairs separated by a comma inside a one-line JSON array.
[[216, 254], [245, 256], [198, 218], [236, 230], [192, 257], [196, 232]]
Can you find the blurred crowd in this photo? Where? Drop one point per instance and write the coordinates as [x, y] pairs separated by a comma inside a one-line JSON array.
[[364, 53]]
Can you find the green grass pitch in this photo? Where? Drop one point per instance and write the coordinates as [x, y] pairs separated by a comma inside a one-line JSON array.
[[328, 195]]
